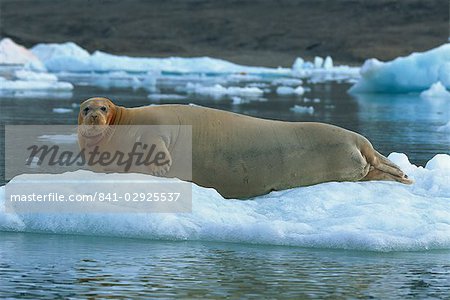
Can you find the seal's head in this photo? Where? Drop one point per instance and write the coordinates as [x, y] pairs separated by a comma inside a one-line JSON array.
[[96, 111], [95, 116]]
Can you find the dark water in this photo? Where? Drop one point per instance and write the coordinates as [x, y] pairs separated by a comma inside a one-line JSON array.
[[52, 266], [58, 266], [393, 123]]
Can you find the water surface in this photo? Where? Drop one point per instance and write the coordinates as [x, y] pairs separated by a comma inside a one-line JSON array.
[[393, 123], [54, 266], [62, 266]]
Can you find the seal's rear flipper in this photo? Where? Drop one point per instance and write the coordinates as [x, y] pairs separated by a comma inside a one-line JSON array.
[[383, 169]]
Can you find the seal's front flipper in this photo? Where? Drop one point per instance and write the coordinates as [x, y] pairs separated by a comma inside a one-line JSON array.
[[161, 160]]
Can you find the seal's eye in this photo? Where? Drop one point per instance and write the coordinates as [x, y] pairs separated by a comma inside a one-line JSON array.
[[103, 108], [86, 110]]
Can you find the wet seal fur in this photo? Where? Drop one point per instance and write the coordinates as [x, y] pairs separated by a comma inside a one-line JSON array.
[[241, 156]]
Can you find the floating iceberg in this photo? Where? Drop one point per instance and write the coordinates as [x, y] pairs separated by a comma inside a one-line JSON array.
[[318, 62], [437, 90], [413, 73], [63, 57], [374, 216], [323, 70], [69, 57], [27, 75], [13, 54], [328, 63]]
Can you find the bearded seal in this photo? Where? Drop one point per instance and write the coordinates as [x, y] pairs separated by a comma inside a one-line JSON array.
[[239, 156]]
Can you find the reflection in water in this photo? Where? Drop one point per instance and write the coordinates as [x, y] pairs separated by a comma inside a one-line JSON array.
[[35, 265], [405, 123]]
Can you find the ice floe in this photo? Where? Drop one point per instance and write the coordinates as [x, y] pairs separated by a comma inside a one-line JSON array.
[[287, 90], [218, 91], [373, 216], [14, 54], [28, 74], [14, 85], [323, 70], [62, 110], [71, 63], [70, 57], [302, 109], [59, 138], [413, 73], [166, 97], [287, 82]]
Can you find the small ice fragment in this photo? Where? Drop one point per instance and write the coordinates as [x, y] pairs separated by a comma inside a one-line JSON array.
[[328, 64], [303, 109], [61, 110], [285, 90], [318, 62]]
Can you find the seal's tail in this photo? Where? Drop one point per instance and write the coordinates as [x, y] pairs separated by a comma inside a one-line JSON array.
[[381, 168]]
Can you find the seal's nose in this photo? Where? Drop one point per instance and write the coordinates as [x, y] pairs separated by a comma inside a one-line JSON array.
[[94, 117]]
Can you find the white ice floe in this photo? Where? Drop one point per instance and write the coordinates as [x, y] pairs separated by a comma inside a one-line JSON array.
[[166, 97], [437, 90], [287, 82], [116, 79], [302, 109], [37, 94], [242, 77], [237, 100], [413, 73], [15, 85], [62, 110], [258, 84], [287, 90], [318, 62], [373, 216], [73, 63], [59, 138], [58, 57], [299, 64], [31, 80], [69, 57], [11, 53], [323, 71], [218, 90], [28, 75], [328, 63], [439, 161]]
